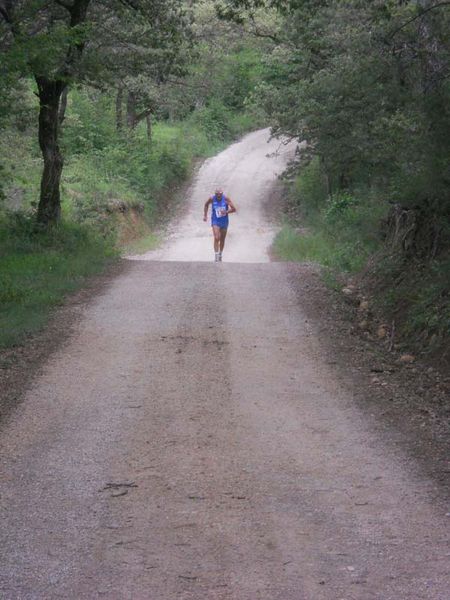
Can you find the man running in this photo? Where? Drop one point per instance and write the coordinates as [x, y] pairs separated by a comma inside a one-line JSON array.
[[220, 209]]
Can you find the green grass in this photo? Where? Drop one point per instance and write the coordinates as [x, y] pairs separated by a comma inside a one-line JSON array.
[[417, 297], [344, 234], [320, 247], [102, 169], [144, 244], [20, 167], [342, 230], [38, 269], [293, 246]]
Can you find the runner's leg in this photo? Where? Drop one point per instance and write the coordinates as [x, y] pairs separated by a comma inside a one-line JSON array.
[[223, 235], [216, 234]]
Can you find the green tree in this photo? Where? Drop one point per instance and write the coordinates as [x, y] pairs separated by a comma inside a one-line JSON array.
[[63, 42], [365, 85]]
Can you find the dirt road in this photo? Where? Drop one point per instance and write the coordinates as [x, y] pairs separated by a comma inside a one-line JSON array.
[[190, 441], [248, 173]]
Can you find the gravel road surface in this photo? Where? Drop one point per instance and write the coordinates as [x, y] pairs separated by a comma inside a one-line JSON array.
[[190, 441]]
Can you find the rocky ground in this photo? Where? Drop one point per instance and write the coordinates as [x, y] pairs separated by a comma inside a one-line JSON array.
[[405, 395]]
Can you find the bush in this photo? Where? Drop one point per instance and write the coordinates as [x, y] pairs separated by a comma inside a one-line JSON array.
[[344, 229], [338, 206], [416, 295], [309, 192], [214, 120]]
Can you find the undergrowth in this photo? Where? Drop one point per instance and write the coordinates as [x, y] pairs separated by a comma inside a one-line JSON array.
[[104, 165], [115, 186], [345, 233], [341, 231], [39, 268], [416, 295]]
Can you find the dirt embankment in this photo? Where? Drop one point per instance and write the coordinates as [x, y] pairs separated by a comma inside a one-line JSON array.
[[408, 397]]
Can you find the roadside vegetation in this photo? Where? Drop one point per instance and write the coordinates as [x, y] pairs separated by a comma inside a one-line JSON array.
[[38, 268], [365, 87], [354, 238], [135, 106], [340, 231], [105, 107]]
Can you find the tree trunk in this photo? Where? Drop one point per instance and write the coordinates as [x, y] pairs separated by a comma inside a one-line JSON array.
[[328, 177], [344, 181], [119, 111], [63, 105], [50, 91], [148, 120], [131, 110]]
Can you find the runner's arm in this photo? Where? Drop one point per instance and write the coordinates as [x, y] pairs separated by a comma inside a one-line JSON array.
[[231, 207], [205, 212]]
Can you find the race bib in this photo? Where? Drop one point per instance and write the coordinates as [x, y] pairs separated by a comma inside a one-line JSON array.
[[221, 212]]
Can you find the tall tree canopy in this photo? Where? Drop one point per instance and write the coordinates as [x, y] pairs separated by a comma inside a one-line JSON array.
[[366, 84], [62, 42]]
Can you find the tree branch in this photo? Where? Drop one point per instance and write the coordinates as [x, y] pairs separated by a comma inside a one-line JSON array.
[[260, 34], [143, 114], [6, 10], [418, 16], [65, 5], [129, 4], [5, 15]]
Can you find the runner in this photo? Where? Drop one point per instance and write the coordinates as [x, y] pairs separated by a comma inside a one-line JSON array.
[[220, 209]]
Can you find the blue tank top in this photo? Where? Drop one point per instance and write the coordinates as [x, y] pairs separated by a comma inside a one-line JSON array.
[[219, 216]]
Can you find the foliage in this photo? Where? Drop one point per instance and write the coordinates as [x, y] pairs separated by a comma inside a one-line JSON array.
[[38, 268], [310, 192], [364, 86], [106, 166], [192, 113], [342, 230], [62, 43], [416, 296]]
